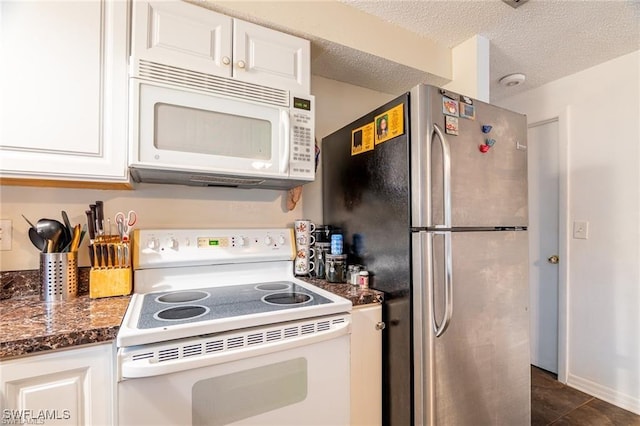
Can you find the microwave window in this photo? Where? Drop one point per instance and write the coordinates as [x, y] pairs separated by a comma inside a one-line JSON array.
[[197, 131]]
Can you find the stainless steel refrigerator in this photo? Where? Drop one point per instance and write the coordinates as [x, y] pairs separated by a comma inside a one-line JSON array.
[[430, 193]]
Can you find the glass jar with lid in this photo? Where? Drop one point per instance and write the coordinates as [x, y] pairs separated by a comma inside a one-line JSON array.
[[336, 268]]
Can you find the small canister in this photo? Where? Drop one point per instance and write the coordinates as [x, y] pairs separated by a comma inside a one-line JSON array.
[[354, 277], [364, 279], [336, 244], [336, 268]]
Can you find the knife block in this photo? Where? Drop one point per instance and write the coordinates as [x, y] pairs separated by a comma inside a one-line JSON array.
[[111, 275], [109, 282]]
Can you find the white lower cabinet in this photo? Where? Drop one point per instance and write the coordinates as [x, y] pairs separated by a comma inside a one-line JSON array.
[[366, 365], [68, 387]]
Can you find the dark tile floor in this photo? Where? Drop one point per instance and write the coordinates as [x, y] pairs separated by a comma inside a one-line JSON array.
[[553, 403]]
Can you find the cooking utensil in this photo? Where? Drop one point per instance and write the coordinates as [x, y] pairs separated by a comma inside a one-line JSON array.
[[51, 229], [75, 241], [39, 242], [28, 221], [68, 227], [125, 223]]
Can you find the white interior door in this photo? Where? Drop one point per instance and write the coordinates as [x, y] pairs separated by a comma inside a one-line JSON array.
[[543, 243]]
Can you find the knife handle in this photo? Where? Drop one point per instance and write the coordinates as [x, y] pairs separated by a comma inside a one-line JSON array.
[[91, 223], [100, 217]]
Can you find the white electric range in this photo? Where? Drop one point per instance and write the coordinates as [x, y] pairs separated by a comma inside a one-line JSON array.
[[219, 331]]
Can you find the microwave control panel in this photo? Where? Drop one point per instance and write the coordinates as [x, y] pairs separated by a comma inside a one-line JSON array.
[[302, 161]]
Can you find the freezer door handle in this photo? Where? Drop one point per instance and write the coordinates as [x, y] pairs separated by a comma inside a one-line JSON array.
[[446, 176], [440, 328]]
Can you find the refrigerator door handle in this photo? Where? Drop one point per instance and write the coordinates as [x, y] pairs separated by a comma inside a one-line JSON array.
[[446, 176], [439, 329]]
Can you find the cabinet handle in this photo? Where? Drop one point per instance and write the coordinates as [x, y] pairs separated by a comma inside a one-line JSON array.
[[241, 64], [381, 325], [226, 60]]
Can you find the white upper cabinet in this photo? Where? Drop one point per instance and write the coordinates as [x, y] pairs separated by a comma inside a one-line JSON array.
[[178, 37], [63, 108], [271, 58], [182, 35]]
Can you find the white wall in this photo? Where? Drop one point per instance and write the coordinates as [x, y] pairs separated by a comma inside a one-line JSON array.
[[599, 110], [181, 206]]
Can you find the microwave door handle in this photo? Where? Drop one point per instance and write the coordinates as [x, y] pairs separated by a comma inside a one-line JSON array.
[[286, 132]]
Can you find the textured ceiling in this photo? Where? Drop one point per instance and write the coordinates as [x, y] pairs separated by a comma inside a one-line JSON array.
[[543, 39]]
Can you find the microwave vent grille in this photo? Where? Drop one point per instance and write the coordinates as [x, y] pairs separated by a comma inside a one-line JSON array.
[[211, 83], [218, 180]]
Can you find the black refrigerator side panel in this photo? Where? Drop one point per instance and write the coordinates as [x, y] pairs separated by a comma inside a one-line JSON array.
[[367, 196]]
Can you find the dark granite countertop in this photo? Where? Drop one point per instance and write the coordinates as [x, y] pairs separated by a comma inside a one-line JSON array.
[[355, 294], [29, 326]]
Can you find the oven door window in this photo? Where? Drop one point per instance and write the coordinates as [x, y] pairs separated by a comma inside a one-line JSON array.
[[224, 399], [193, 130]]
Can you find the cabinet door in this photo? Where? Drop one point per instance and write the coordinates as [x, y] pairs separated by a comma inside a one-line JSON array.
[[270, 58], [72, 387], [366, 365], [182, 35], [63, 109]]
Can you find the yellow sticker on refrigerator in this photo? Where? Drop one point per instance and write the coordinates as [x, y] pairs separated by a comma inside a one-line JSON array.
[[362, 139], [390, 124]]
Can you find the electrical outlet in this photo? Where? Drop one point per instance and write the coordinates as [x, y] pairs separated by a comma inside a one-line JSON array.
[[581, 229], [5, 234]]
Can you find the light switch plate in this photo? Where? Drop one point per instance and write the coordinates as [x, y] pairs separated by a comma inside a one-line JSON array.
[[5, 234], [581, 229]]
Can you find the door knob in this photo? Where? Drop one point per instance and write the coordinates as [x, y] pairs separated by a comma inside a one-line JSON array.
[[553, 259]]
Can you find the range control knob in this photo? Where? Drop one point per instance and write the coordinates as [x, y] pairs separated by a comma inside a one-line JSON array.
[[240, 241], [268, 240], [152, 243], [172, 243], [282, 239]]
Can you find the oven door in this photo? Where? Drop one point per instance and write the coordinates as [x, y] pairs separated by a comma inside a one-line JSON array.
[[298, 380], [184, 130]]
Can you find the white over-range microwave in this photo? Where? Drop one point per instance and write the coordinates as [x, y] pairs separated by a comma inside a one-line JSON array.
[[198, 129]]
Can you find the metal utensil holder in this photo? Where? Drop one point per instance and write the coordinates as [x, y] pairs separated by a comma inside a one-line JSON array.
[[59, 274]]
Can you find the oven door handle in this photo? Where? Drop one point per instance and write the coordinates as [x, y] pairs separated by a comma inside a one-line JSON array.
[[130, 369]]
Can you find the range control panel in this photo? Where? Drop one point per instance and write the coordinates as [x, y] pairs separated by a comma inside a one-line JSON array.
[[161, 248]]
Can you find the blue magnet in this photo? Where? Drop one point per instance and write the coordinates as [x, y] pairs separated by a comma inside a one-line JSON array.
[[486, 128], [490, 142]]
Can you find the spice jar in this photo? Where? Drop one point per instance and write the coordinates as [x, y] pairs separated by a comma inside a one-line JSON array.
[[364, 279], [336, 268], [353, 275]]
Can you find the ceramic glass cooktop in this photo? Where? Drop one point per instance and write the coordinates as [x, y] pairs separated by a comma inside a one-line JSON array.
[[188, 306]]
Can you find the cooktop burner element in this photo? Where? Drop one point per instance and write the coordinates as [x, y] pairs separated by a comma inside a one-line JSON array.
[[287, 298], [181, 313], [273, 286], [183, 296], [224, 302]]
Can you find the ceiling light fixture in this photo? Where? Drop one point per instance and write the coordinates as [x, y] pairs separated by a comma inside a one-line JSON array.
[[512, 80]]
